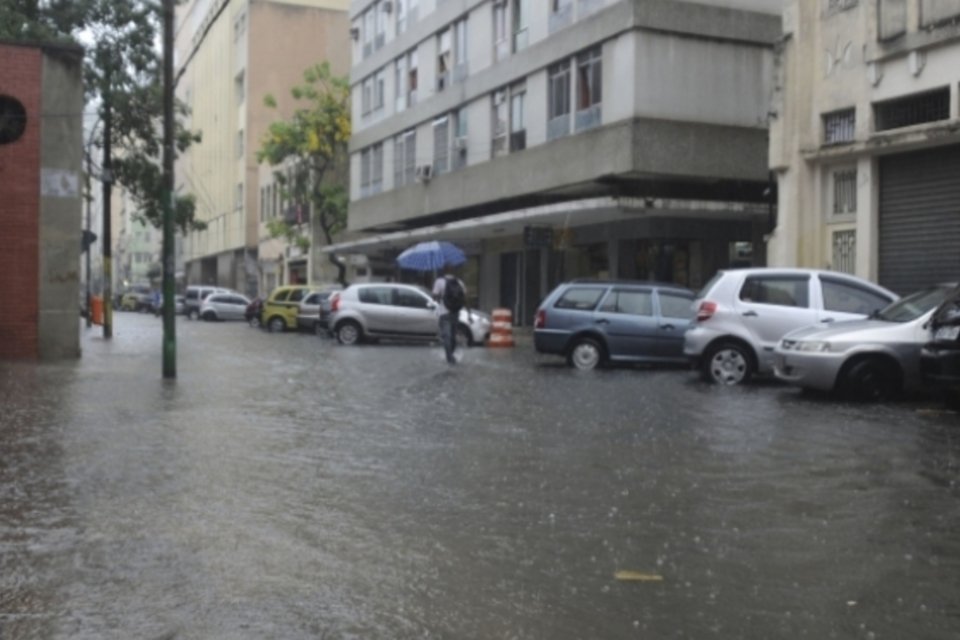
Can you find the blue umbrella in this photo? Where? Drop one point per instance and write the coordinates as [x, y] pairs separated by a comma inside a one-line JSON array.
[[431, 256]]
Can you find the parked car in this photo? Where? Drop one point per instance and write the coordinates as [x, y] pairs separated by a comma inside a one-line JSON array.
[[137, 298], [224, 306], [253, 311], [280, 309], [592, 322], [940, 357], [742, 314], [397, 311], [194, 296], [871, 359], [308, 315]]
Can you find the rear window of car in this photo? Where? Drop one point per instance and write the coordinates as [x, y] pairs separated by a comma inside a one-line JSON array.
[[784, 291], [375, 295], [675, 305], [580, 298]]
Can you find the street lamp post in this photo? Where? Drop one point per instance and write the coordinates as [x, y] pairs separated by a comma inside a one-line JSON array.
[[169, 266]]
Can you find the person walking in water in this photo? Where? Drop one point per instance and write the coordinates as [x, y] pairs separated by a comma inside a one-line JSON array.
[[451, 295]]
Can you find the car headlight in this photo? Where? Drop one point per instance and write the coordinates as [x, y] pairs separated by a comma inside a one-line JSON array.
[[811, 346]]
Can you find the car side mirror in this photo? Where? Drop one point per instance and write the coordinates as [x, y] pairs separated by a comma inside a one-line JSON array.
[[431, 304]]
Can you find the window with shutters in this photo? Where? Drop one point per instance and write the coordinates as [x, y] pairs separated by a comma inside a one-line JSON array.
[[934, 12], [444, 60], [404, 158], [891, 19], [498, 112]]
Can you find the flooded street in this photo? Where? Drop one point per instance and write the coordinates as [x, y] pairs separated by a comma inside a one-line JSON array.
[[286, 487]]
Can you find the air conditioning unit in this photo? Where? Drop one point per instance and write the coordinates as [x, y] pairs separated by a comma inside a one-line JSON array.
[[355, 33], [424, 172], [387, 6], [460, 144]]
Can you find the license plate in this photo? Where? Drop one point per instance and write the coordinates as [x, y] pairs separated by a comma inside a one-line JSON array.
[[947, 333]]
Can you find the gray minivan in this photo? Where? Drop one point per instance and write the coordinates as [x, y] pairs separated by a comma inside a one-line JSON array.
[[591, 322]]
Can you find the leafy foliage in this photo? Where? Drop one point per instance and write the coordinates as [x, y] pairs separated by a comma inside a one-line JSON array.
[[123, 75], [309, 154]]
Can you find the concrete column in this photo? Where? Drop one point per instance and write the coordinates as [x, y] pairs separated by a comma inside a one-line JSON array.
[[868, 218]]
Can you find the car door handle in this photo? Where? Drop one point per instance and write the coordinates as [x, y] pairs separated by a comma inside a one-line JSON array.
[[602, 321], [749, 314], [827, 320], [668, 327]]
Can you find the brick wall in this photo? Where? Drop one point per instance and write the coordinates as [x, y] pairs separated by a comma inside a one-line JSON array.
[[20, 207]]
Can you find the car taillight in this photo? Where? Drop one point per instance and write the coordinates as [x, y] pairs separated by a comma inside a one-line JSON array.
[[335, 303], [540, 321], [706, 310]]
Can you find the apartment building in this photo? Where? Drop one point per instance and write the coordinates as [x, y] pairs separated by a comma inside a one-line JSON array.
[[563, 138], [231, 54], [865, 139]]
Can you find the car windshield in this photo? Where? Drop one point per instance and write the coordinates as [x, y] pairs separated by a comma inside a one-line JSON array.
[[914, 305]]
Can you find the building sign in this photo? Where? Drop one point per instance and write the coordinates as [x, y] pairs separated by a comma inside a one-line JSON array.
[[59, 183]]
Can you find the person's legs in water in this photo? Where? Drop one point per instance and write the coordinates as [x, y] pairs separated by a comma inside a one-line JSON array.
[[449, 336]]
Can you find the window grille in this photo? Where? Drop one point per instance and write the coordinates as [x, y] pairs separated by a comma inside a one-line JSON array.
[[839, 126], [845, 251], [844, 192], [919, 108]]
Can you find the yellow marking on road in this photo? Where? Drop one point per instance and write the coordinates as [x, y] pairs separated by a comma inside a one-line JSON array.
[[637, 576]]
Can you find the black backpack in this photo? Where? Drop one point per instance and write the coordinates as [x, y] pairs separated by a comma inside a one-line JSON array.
[[454, 297]]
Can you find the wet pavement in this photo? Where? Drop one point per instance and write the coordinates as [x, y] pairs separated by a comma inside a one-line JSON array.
[[285, 487]]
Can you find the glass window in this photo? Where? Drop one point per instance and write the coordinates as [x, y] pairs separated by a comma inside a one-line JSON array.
[[281, 296], [559, 90], [674, 305], [581, 298], [375, 295], [635, 303], [379, 83], [410, 299], [849, 298], [839, 126], [313, 298], [589, 74], [441, 145], [785, 291], [914, 305], [296, 295]]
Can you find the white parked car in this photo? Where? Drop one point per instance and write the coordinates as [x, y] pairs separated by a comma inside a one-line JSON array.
[[743, 313], [398, 312], [224, 306]]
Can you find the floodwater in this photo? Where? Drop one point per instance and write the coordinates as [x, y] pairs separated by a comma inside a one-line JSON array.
[[286, 487]]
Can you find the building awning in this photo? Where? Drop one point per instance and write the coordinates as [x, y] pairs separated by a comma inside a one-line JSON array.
[[570, 214]]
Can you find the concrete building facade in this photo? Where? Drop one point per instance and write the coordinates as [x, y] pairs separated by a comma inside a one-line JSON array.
[[230, 56], [604, 138], [865, 139], [41, 160]]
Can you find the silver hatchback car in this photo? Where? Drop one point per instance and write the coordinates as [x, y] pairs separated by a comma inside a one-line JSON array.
[[396, 311], [870, 359], [743, 313]]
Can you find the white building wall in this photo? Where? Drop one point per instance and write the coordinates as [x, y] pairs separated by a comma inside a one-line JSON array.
[[619, 56], [536, 108], [480, 38], [479, 131]]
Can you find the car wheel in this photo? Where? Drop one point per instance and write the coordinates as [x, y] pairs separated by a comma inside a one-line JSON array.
[[585, 354], [728, 363], [209, 316], [276, 324], [349, 332], [254, 322], [869, 380]]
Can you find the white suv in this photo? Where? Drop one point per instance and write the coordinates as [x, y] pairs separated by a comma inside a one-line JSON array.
[[743, 313]]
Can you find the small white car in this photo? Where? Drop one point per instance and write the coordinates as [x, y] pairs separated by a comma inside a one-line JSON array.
[[224, 306], [743, 313], [372, 311]]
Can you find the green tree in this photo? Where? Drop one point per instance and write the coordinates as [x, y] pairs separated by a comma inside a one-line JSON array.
[[309, 155], [123, 74]]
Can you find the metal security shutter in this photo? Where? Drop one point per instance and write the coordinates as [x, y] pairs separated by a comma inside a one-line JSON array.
[[919, 219]]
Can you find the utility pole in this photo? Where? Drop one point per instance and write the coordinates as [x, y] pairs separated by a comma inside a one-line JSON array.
[[89, 222], [107, 180], [169, 265]]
